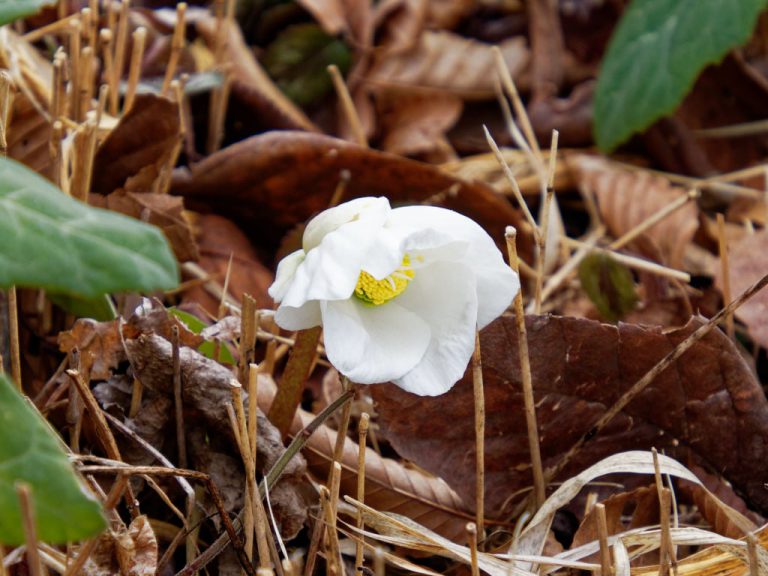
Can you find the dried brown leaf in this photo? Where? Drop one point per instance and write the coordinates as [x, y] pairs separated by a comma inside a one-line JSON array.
[[390, 486], [448, 62], [707, 407], [137, 148], [270, 183], [131, 551], [748, 259], [414, 122], [627, 198], [98, 343], [219, 239]]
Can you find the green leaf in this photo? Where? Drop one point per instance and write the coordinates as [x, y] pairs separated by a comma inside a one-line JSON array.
[[608, 284], [298, 61], [99, 308], [207, 349], [54, 242], [11, 10], [656, 53], [30, 452]]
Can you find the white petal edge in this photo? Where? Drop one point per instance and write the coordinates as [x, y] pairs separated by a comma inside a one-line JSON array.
[[443, 294], [496, 284], [373, 344], [301, 318], [286, 270]]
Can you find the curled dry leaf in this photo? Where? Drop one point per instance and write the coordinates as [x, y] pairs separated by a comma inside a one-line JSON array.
[[447, 62], [626, 199], [130, 551], [141, 144], [748, 260], [219, 239], [164, 211], [389, 486], [270, 183], [707, 407], [249, 81]]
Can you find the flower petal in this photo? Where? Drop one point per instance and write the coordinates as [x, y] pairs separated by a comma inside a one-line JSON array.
[[497, 284], [443, 294], [330, 270], [373, 344], [334, 218], [286, 269], [301, 318]]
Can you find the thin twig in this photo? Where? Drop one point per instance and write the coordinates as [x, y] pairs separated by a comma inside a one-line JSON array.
[[24, 493], [472, 541], [119, 59], [177, 44], [602, 536], [362, 431], [134, 72], [479, 405], [539, 481], [347, 106], [178, 400]]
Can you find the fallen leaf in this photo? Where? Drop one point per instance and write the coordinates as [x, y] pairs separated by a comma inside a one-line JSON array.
[[219, 239], [131, 551], [270, 183], [98, 343], [707, 407], [164, 211], [138, 147], [414, 122], [448, 62], [748, 261], [628, 198]]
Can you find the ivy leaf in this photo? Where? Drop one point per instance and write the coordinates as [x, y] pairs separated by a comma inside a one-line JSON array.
[[31, 453], [11, 10], [656, 53], [54, 242]]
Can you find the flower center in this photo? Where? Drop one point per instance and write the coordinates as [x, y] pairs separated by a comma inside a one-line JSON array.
[[377, 292]]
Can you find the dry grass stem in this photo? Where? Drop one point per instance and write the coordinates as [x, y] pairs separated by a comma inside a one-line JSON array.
[[602, 535], [121, 41], [247, 342], [178, 400], [177, 44], [513, 182], [472, 542], [725, 271], [34, 563], [218, 109], [139, 37], [341, 186], [225, 289], [379, 564], [58, 89], [57, 27], [635, 262], [544, 222], [527, 381], [74, 68], [509, 87], [651, 375], [317, 532], [347, 106], [754, 562], [654, 219], [479, 405], [333, 553], [362, 432]]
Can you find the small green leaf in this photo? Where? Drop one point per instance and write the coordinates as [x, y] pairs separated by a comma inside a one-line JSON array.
[[298, 61], [31, 453], [207, 349], [608, 284], [656, 53], [11, 10], [54, 242]]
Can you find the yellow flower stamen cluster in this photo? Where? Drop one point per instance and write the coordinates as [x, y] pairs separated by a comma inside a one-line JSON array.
[[377, 292]]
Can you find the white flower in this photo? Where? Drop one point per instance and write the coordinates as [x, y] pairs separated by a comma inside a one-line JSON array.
[[399, 292]]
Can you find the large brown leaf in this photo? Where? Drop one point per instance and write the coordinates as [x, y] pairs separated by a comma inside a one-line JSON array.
[[707, 407], [274, 181]]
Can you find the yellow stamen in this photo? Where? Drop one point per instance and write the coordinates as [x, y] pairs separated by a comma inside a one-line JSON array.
[[377, 292]]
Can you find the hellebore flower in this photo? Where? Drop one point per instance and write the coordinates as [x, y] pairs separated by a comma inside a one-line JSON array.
[[399, 292]]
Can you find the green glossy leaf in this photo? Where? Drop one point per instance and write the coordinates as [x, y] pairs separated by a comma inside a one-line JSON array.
[[54, 242], [31, 453], [11, 10], [609, 284], [656, 53], [298, 61], [207, 349]]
